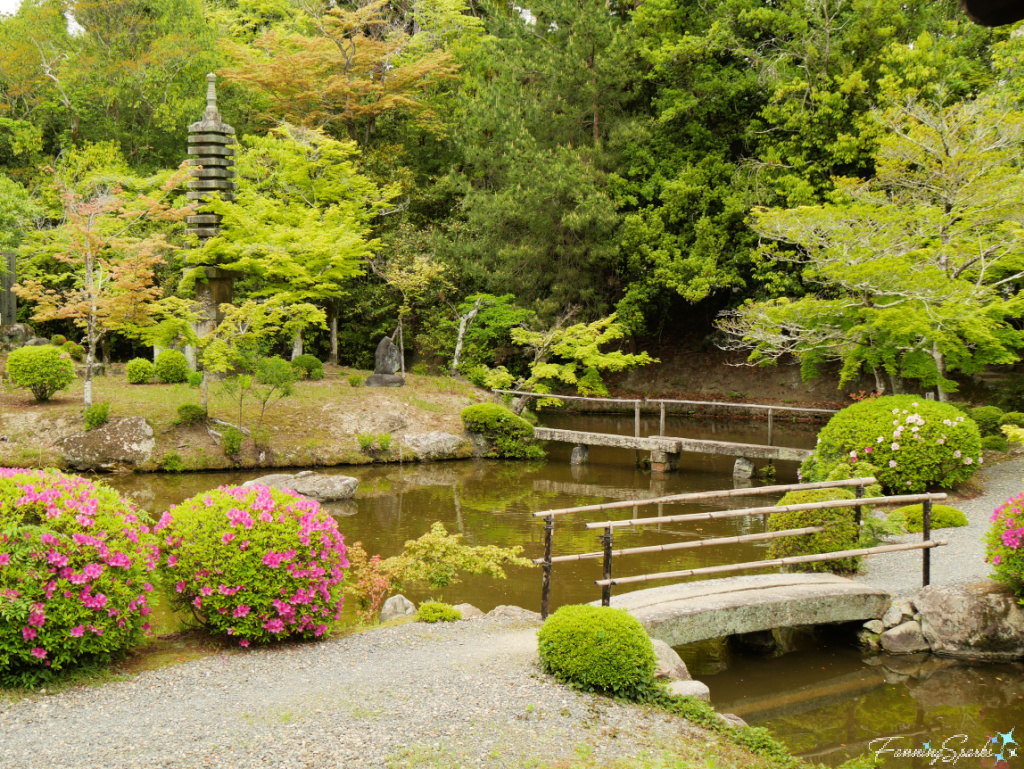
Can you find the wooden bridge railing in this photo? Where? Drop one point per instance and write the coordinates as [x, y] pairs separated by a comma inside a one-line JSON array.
[[607, 552]]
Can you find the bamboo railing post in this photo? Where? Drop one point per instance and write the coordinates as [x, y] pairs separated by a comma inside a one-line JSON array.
[[926, 533], [545, 593], [636, 431], [661, 424], [770, 428], [857, 514], [606, 590]]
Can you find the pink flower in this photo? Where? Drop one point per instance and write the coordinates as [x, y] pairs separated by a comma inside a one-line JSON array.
[[171, 560], [5, 558], [274, 625], [895, 446], [29, 633], [39, 653], [868, 450], [243, 643], [227, 537], [892, 463], [197, 602], [180, 586], [241, 611], [78, 631], [206, 590], [997, 560]]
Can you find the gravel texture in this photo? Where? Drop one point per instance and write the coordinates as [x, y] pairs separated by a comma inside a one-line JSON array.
[[962, 561], [468, 693]]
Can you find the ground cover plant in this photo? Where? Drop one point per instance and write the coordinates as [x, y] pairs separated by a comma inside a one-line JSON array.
[[436, 611], [44, 370], [912, 443], [254, 563], [97, 415], [75, 563]]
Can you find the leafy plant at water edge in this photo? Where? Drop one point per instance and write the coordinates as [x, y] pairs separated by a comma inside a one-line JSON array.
[[254, 563], [912, 444], [171, 367], [366, 441], [139, 371], [97, 415], [231, 441], [384, 442], [943, 517], [190, 414], [435, 611], [840, 530], [171, 462], [308, 367], [512, 435], [597, 648], [74, 564], [44, 370]]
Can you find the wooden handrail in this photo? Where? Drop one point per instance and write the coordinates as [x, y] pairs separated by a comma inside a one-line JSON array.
[[773, 563], [710, 542], [905, 499], [744, 405], [696, 496]]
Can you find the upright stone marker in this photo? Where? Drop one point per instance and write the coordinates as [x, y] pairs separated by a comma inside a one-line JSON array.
[[211, 143], [8, 302]]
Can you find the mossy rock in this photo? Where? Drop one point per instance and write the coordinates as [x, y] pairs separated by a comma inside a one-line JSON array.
[[511, 435]]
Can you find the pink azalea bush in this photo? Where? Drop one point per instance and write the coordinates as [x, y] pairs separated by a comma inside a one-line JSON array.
[[75, 560], [910, 443], [1004, 542], [254, 563]]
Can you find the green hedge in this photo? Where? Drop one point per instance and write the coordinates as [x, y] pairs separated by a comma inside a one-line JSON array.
[[511, 435], [840, 530]]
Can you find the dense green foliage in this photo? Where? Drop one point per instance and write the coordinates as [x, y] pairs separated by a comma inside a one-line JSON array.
[[44, 370], [943, 517], [171, 367], [511, 435], [254, 563], [598, 649], [75, 350], [139, 371], [988, 419], [995, 443], [74, 563], [840, 530], [308, 367], [910, 442], [97, 415], [435, 611], [190, 414]]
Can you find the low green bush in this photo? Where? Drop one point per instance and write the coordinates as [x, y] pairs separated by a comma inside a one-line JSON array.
[[231, 441], [195, 379], [308, 367], [384, 442], [1014, 418], [355, 380], [435, 611], [139, 371], [913, 444], [190, 414], [58, 339], [988, 419], [943, 517], [995, 443], [511, 435], [75, 350], [97, 415], [44, 370], [596, 648], [171, 462], [840, 530], [171, 367], [366, 441]]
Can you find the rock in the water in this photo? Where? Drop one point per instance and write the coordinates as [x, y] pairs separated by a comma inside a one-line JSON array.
[[120, 444], [580, 455], [982, 621], [396, 606], [322, 488], [468, 611], [743, 468], [904, 639], [386, 361], [437, 445], [690, 689], [893, 616], [733, 720], [514, 612], [670, 664], [875, 626]]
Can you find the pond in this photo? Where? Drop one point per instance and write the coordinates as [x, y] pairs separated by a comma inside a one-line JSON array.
[[827, 700]]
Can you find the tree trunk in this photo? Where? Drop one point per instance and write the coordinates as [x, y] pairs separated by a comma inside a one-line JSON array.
[[940, 364], [464, 322], [401, 346], [333, 307], [297, 345], [205, 396], [897, 383], [105, 347], [879, 380], [90, 358]]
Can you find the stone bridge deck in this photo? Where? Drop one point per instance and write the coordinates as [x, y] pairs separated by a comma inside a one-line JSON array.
[[669, 445], [698, 611]]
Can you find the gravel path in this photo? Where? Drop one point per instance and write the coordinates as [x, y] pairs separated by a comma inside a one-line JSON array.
[[962, 561], [460, 694]]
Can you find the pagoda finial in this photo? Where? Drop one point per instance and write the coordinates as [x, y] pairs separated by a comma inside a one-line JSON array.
[[212, 113]]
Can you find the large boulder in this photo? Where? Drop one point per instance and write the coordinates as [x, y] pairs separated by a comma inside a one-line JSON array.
[[386, 362], [982, 621], [396, 606], [437, 445], [904, 639], [120, 444], [322, 488], [669, 664], [468, 611], [14, 335]]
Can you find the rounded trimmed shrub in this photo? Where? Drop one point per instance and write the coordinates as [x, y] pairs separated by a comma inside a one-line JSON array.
[[75, 350], [596, 648], [58, 339], [435, 611], [44, 370], [308, 367], [943, 517], [1005, 544], [840, 530], [988, 419], [995, 443], [254, 563], [139, 371], [74, 563], [195, 379], [511, 435], [190, 414], [912, 443], [1014, 418], [171, 367]]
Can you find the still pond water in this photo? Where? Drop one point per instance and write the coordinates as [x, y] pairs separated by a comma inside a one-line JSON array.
[[826, 700]]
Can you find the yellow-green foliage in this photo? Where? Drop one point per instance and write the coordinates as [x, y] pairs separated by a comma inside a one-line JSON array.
[[435, 611], [44, 370], [512, 435], [139, 371], [840, 530], [943, 517]]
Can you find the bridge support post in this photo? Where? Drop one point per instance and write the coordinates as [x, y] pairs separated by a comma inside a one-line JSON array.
[[926, 532], [580, 454], [606, 590], [664, 462], [545, 591]]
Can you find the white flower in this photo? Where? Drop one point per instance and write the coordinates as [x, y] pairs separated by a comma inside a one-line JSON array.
[[895, 446], [981, 460], [895, 421], [879, 439], [957, 453], [892, 463], [853, 455], [940, 441], [968, 460], [819, 440], [911, 419], [914, 429], [895, 411], [905, 411], [915, 404], [947, 422]]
